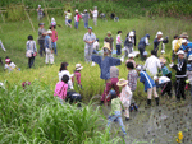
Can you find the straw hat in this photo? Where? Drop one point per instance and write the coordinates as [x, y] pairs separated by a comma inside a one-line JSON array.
[[184, 41], [130, 55], [79, 67], [122, 82], [190, 58], [180, 52], [107, 45], [109, 32], [184, 34]]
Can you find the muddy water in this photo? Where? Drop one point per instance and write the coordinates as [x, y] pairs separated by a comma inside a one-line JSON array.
[[159, 125]]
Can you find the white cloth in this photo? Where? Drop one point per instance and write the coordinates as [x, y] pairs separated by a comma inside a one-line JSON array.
[[2, 46], [95, 13], [66, 72], [126, 96], [6, 66], [152, 63], [49, 58], [12, 66], [173, 44]]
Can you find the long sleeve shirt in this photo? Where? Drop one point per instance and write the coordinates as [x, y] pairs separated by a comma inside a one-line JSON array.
[[132, 79], [126, 96], [181, 67], [48, 42], [105, 65], [85, 18], [152, 63], [116, 105], [89, 37]]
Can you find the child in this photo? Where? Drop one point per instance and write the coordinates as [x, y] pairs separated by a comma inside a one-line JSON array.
[[118, 43], [96, 45], [149, 85], [2, 46], [131, 60], [77, 73], [173, 45], [53, 22], [7, 62], [116, 108], [54, 38], [61, 89], [69, 18], [62, 71], [49, 49], [12, 66], [77, 18], [31, 51], [110, 40], [125, 96]]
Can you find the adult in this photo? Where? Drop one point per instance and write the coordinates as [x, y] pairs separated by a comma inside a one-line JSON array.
[[110, 40], [105, 62], [69, 15], [31, 51], [185, 36], [85, 18], [94, 13], [134, 37], [119, 43], [142, 45], [152, 63], [176, 38], [128, 44], [77, 18], [41, 38], [184, 47], [39, 13], [89, 38], [181, 76]]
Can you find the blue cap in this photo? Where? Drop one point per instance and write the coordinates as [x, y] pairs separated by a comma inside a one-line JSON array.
[[89, 27], [147, 35]]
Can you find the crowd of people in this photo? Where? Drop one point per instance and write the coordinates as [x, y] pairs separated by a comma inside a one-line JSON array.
[[148, 73]]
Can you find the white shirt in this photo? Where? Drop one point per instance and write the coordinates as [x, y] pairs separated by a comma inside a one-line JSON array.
[[6, 66], [12, 66], [152, 63], [94, 13], [173, 43], [66, 72]]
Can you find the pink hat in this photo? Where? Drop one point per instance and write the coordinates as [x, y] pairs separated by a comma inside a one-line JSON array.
[[7, 60]]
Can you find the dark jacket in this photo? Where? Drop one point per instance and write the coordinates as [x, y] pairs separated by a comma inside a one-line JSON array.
[[183, 70]]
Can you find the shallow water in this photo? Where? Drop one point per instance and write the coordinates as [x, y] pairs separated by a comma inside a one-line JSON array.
[[159, 125]]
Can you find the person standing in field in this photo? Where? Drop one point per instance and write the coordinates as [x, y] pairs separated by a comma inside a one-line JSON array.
[[2, 46], [39, 13], [142, 45], [89, 38], [49, 51], [69, 18], [41, 38], [105, 62], [77, 18], [110, 40], [173, 46], [54, 38], [118, 43], [85, 18], [94, 13], [31, 51], [131, 56]]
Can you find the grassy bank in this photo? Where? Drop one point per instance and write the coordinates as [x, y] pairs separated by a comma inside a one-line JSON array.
[[71, 48]]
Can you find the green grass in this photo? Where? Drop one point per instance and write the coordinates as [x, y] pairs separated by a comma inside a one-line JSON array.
[[71, 49]]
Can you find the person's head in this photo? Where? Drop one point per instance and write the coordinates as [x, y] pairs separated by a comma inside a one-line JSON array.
[[180, 54], [49, 32], [63, 66], [77, 11], [176, 37], [39, 6], [139, 68], [119, 32], [148, 36], [109, 34], [184, 36], [130, 65], [30, 38], [89, 29], [153, 52], [184, 42], [65, 79], [68, 11], [7, 60], [130, 56], [158, 35], [85, 11], [42, 25], [52, 27]]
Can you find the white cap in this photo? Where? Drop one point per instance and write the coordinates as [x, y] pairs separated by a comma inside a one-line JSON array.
[[139, 67], [130, 55], [180, 52], [131, 34], [39, 6], [184, 41], [76, 9], [49, 31]]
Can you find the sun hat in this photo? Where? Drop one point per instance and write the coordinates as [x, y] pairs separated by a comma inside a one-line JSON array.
[[109, 32], [76, 10], [139, 67], [107, 45], [190, 58], [184, 34], [79, 67], [7, 60], [39, 6], [85, 9], [122, 82], [180, 52], [89, 28], [130, 55]]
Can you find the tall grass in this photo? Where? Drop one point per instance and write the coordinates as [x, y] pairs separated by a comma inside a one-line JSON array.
[[36, 116]]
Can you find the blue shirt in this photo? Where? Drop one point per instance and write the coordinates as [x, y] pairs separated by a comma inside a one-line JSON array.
[[165, 71], [189, 48], [47, 38], [105, 65], [156, 43], [149, 83]]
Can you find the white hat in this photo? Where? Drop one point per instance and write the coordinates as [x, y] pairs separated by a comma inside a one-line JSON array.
[[39, 6], [139, 67], [190, 58], [49, 31], [180, 52], [131, 34], [52, 20], [76, 9], [130, 55], [79, 67], [184, 41]]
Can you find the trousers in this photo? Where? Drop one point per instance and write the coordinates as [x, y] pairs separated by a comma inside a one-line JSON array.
[[179, 88], [42, 47], [30, 61], [49, 58], [118, 49]]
